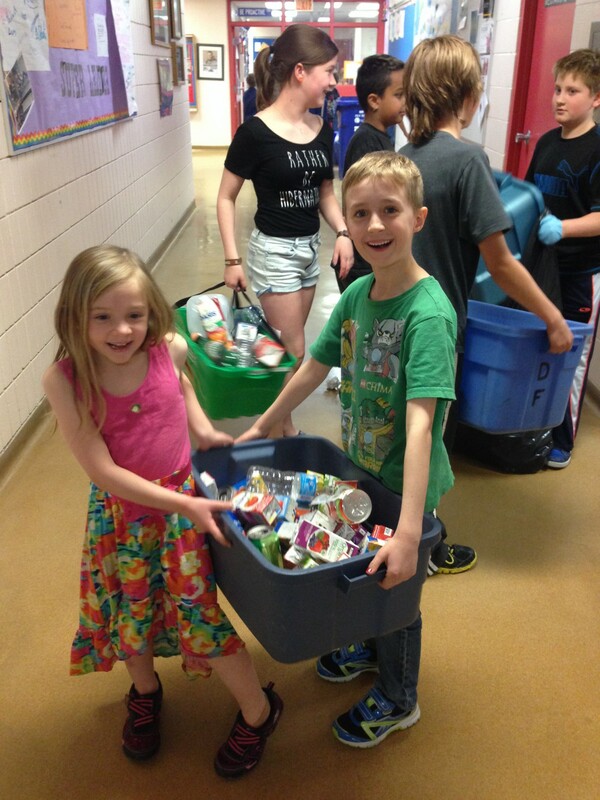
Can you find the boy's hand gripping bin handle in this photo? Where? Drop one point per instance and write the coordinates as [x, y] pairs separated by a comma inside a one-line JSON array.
[[346, 584]]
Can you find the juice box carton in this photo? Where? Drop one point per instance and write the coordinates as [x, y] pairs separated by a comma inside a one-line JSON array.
[[322, 543], [378, 536], [256, 509]]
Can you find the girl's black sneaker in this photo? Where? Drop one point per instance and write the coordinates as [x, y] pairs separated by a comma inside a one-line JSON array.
[[245, 745], [141, 734]]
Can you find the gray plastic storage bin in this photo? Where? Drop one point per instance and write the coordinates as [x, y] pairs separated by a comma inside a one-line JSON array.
[[301, 614]]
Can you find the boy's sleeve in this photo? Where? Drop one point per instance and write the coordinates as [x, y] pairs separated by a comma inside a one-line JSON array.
[[431, 367], [481, 212]]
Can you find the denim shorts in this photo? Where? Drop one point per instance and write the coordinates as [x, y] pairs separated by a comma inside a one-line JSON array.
[[282, 265]]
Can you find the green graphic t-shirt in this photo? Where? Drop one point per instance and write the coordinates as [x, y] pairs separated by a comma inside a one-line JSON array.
[[391, 351]]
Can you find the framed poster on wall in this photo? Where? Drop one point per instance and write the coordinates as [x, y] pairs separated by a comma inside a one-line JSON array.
[[160, 22], [190, 65], [176, 23], [210, 62], [178, 59]]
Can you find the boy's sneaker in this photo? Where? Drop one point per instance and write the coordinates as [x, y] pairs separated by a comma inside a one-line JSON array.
[[245, 745], [371, 720], [141, 734], [558, 459], [451, 559], [347, 663]]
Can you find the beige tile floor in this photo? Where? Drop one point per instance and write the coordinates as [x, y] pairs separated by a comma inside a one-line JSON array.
[[509, 690]]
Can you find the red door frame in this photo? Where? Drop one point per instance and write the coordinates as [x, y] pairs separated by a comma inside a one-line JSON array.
[[282, 25], [523, 63], [544, 34]]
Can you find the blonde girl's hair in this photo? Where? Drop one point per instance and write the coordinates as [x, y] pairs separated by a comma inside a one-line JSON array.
[[439, 76], [91, 273], [274, 66], [583, 64], [386, 166]]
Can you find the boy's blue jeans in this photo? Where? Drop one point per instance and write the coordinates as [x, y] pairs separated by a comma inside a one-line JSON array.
[[399, 658]]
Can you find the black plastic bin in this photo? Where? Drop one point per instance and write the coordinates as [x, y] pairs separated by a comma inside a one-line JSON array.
[[300, 614]]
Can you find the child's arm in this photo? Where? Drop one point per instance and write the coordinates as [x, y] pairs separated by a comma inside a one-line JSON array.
[[202, 433], [400, 554], [515, 280], [343, 252], [552, 229], [228, 191], [90, 450], [305, 381]]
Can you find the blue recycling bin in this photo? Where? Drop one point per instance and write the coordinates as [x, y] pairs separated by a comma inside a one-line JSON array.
[[351, 115], [524, 203]]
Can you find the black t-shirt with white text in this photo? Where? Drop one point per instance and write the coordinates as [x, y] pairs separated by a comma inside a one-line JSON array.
[[286, 176]]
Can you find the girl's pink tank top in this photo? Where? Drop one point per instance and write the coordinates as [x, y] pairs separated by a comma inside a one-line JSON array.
[[146, 431]]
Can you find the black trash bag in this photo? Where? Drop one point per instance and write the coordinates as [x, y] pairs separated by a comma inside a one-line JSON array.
[[521, 453]]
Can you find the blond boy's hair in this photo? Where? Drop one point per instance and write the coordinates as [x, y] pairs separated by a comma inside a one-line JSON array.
[[439, 76], [583, 64], [387, 166]]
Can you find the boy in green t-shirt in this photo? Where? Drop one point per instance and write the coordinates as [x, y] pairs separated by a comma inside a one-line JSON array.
[[393, 333]]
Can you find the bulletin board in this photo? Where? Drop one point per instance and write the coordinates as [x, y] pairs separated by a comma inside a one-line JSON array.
[[67, 68]]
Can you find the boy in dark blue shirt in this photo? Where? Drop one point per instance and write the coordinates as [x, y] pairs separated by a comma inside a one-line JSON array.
[[566, 168]]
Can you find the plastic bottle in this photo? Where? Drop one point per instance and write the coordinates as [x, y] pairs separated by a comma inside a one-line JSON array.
[[245, 336], [350, 505], [297, 485]]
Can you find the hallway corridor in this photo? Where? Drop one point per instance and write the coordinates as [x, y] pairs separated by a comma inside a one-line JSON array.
[[510, 679]]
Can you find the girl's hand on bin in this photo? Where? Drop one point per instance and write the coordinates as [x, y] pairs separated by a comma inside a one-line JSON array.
[[201, 512], [252, 433], [400, 557]]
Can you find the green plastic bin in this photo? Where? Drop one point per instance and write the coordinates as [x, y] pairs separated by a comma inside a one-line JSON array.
[[227, 392]]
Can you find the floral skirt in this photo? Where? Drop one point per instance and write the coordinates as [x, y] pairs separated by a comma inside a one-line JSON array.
[[147, 583]]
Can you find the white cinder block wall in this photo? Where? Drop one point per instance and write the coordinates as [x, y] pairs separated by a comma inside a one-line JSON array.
[[128, 184]]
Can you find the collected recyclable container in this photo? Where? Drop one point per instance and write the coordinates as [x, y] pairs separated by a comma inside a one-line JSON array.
[[510, 382], [524, 203], [300, 614], [231, 391]]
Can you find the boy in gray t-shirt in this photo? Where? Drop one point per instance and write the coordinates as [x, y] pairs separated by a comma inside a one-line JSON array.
[[442, 84]]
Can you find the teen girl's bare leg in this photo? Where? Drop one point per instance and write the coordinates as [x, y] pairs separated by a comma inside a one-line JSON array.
[[288, 312]]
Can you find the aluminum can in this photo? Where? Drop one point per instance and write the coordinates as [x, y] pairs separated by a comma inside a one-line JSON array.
[[266, 541]]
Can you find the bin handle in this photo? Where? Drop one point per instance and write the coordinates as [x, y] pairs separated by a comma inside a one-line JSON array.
[[347, 584]]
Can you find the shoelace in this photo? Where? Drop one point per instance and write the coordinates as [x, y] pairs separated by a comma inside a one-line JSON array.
[[242, 739], [142, 710]]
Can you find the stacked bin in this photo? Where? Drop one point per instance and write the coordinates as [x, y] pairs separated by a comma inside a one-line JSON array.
[[351, 115]]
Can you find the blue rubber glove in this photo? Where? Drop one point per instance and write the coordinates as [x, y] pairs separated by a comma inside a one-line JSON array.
[[550, 230]]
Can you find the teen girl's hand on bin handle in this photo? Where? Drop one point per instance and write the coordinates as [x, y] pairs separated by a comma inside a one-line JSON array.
[[233, 275], [550, 230]]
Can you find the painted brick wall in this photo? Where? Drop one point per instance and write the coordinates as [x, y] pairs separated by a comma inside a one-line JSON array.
[[127, 184]]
